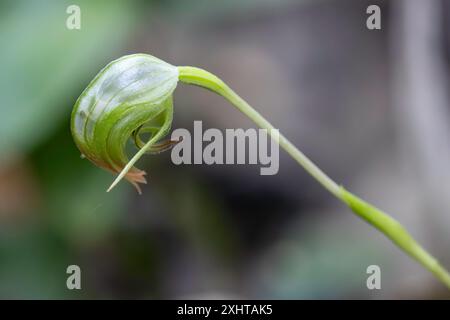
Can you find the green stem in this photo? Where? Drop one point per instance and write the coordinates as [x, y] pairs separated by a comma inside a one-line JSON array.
[[377, 218]]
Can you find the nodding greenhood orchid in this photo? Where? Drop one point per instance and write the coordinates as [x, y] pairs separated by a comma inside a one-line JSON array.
[[133, 95]]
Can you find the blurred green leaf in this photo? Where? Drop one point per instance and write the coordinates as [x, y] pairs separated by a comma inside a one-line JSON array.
[[44, 64], [33, 264]]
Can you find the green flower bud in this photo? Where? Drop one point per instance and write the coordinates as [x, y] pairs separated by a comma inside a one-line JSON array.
[[130, 96]]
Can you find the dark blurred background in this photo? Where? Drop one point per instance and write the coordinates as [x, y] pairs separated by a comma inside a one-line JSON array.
[[371, 107]]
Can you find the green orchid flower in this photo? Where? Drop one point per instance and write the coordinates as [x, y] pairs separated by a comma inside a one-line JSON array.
[[130, 96]]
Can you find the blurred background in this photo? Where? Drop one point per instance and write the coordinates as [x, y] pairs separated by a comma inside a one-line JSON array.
[[370, 107]]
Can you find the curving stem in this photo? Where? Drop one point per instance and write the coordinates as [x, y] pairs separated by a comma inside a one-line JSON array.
[[374, 216]]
